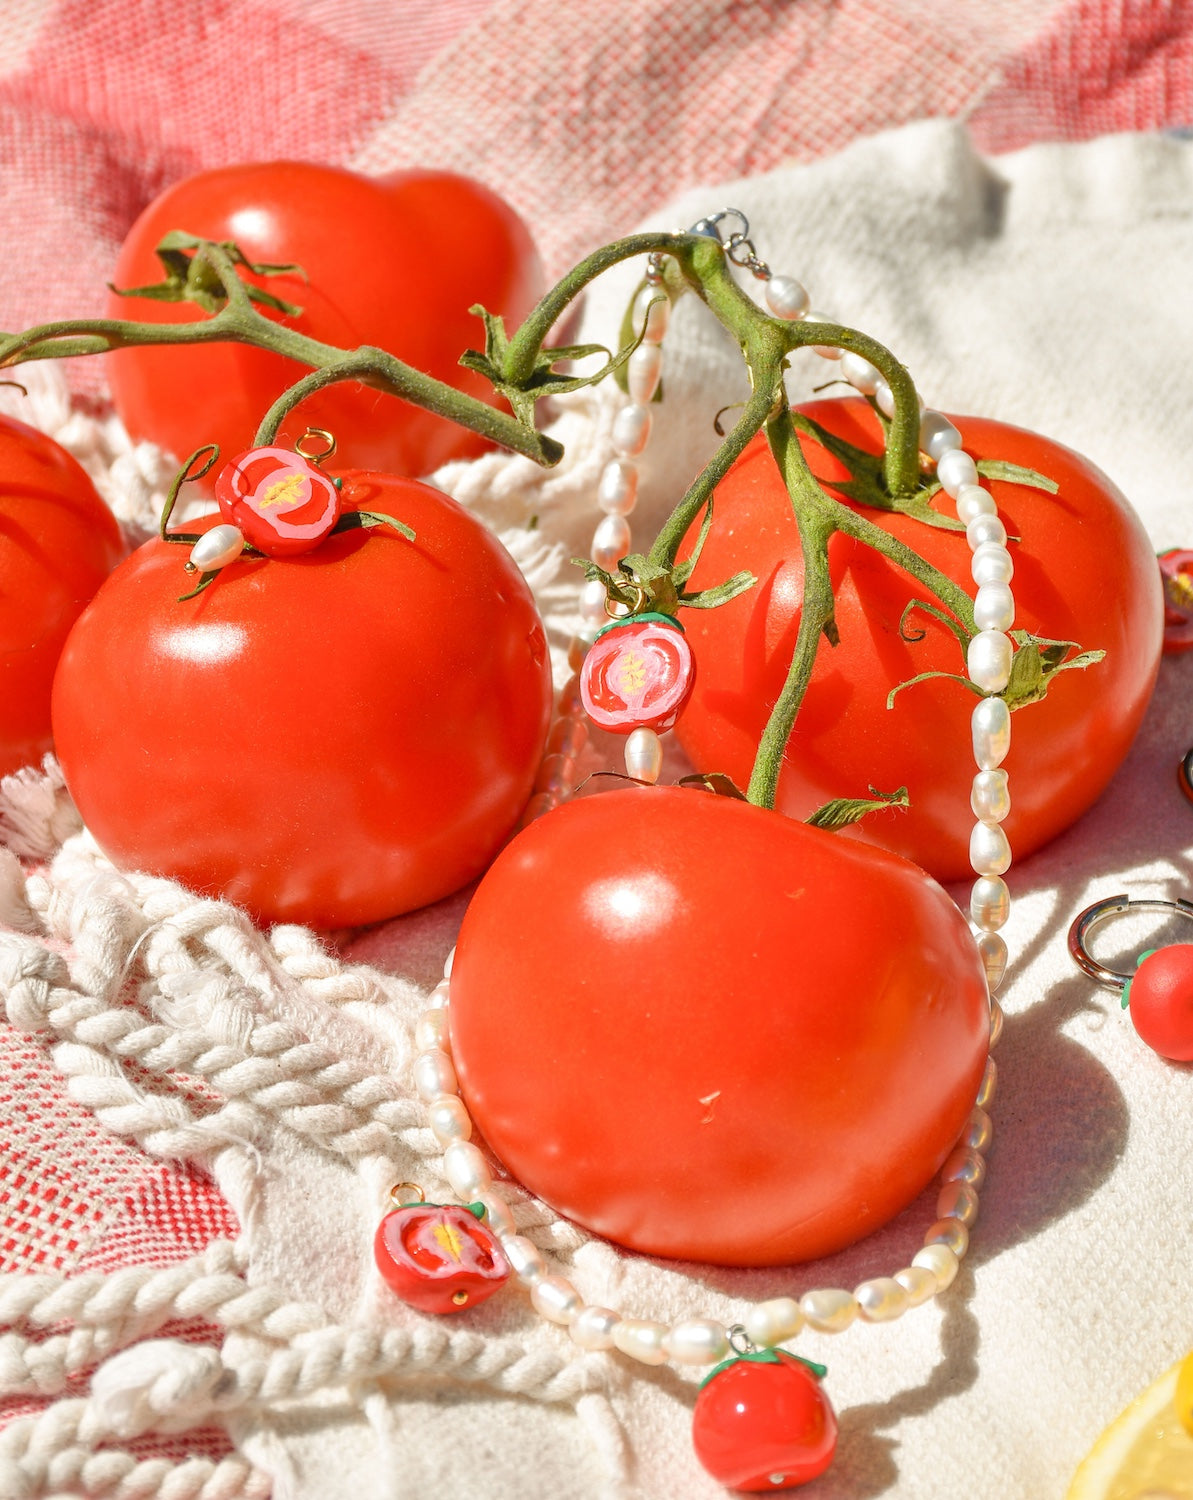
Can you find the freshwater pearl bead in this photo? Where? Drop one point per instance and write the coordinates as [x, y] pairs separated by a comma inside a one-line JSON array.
[[631, 430], [989, 849], [440, 996], [860, 373], [617, 493], [593, 1327], [973, 501], [643, 369], [828, 1310], [657, 313], [217, 548], [994, 607], [568, 736], [951, 1234], [773, 1322], [881, 1299], [643, 755], [526, 1259], [941, 1261], [449, 961], [979, 1132], [826, 351], [696, 1341], [434, 1074], [642, 1340], [787, 298], [937, 435], [988, 659], [957, 1200], [554, 774], [989, 903], [592, 603], [449, 1119], [990, 727], [430, 1030], [996, 1020], [989, 1085], [555, 1298], [919, 1284], [985, 531], [991, 563], [993, 949], [498, 1214], [965, 1166], [990, 797], [955, 470], [610, 542], [884, 399], [466, 1169]]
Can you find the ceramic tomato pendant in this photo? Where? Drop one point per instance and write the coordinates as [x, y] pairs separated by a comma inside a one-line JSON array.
[[638, 674], [1160, 998], [280, 501], [1176, 572], [439, 1257], [762, 1422]]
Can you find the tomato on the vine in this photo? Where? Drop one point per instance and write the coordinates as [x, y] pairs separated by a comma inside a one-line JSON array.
[[331, 738], [58, 542], [707, 1031], [394, 262], [1085, 571]]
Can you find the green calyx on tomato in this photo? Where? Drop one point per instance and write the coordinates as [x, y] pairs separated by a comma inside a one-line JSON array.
[[763, 1357]]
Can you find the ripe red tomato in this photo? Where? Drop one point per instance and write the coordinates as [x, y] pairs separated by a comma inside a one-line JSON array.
[[1161, 1001], [763, 1423], [394, 262], [58, 542], [331, 738], [1084, 571], [704, 1030]]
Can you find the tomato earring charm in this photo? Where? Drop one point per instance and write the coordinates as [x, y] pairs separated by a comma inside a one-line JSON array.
[[638, 674], [1159, 995], [280, 500], [439, 1257]]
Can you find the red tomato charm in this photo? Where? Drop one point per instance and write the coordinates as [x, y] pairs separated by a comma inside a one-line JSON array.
[[1160, 998], [1176, 572], [638, 674], [762, 1422], [282, 504], [440, 1257]]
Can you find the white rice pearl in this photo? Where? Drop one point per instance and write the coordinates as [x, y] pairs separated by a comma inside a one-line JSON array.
[[773, 1322], [448, 961], [631, 430], [973, 501], [884, 399], [937, 434], [950, 1233], [568, 737], [979, 1131], [988, 660], [449, 1119], [555, 774], [217, 548], [430, 1030], [526, 1259], [965, 1166], [994, 607], [989, 849], [593, 1327], [556, 1299], [696, 1341], [826, 351], [993, 950], [881, 1299], [919, 1284], [989, 903], [955, 469], [643, 755], [617, 493], [571, 702], [787, 298], [643, 369], [466, 1169], [539, 804], [996, 1020], [657, 317], [642, 1340], [991, 563], [610, 542], [434, 1074], [990, 729], [958, 1200], [860, 373], [592, 603], [499, 1216], [941, 1261], [984, 531], [828, 1309], [989, 796], [989, 1086]]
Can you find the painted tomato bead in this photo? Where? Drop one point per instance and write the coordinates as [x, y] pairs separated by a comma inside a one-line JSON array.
[[282, 503], [1176, 574], [762, 1422], [440, 1257], [638, 674], [1160, 997]]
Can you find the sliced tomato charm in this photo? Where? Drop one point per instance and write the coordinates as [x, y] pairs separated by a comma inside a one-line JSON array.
[[1176, 574], [762, 1422], [440, 1258], [638, 674], [281, 502]]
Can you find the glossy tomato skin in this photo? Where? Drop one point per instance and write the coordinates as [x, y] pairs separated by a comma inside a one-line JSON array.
[[394, 262], [1161, 1001], [763, 1423], [58, 542], [332, 738], [1084, 571], [706, 1031]]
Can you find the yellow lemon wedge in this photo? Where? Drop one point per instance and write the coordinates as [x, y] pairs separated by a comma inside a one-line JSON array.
[[1147, 1451]]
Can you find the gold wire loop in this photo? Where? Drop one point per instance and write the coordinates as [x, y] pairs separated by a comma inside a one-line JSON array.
[[403, 1194], [312, 455], [614, 607]]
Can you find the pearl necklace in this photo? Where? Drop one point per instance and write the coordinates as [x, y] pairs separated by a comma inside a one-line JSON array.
[[703, 1340]]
